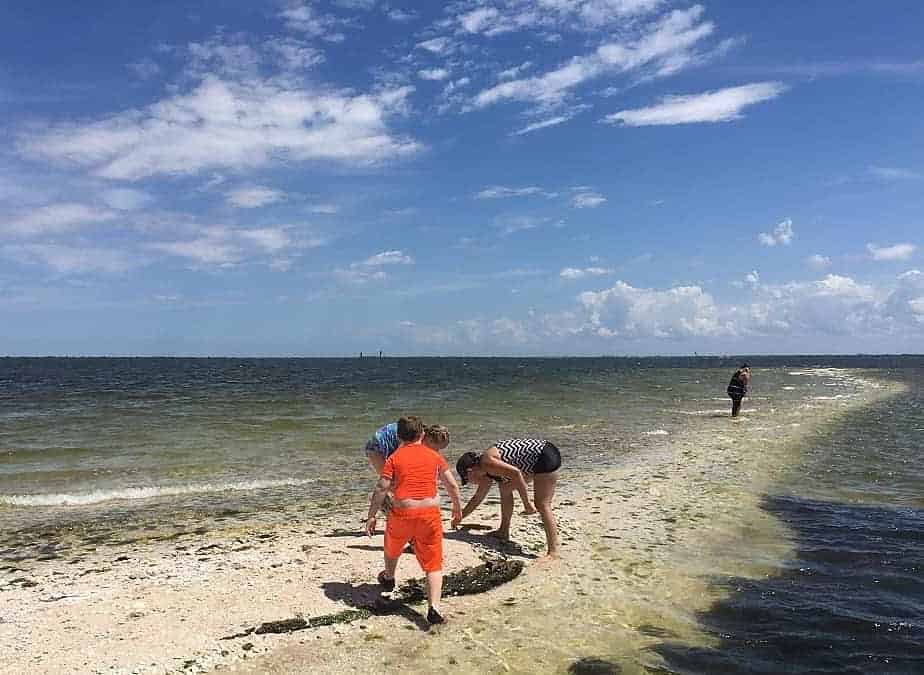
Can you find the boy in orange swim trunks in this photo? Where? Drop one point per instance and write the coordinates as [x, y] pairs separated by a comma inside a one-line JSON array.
[[411, 472]]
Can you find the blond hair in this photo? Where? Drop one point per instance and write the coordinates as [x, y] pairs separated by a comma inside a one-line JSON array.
[[437, 434]]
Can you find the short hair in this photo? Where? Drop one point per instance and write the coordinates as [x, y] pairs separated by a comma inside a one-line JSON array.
[[410, 428], [438, 434]]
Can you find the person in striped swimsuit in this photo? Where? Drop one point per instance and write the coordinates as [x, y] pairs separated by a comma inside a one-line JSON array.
[[512, 463]]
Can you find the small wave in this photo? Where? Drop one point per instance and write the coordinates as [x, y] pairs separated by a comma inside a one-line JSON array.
[[97, 496], [656, 432], [704, 412]]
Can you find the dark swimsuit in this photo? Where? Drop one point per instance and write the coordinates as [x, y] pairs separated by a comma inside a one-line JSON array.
[[529, 455], [737, 388]]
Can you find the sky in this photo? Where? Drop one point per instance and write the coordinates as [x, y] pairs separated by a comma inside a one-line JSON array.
[[481, 177]]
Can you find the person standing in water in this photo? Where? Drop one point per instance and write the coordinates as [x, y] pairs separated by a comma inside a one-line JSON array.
[[412, 472], [512, 463], [738, 387]]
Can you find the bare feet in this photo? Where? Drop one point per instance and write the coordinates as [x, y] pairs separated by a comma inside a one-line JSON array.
[[548, 559]]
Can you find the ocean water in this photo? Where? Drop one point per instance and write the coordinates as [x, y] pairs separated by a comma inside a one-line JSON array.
[[791, 540]]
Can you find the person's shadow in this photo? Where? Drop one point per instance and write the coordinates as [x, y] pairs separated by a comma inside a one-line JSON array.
[[488, 541], [369, 596]]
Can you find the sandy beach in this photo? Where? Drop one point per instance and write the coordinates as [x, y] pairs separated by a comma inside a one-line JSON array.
[[640, 542]]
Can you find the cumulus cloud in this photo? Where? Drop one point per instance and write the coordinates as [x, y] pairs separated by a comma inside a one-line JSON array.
[[722, 105], [57, 218], [437, 45], [253, 197], [891, 253], [303, 17], [234, 125], [572, 273], [626, 311], [270, 239], [782, 235], [219, 246], [665, 47]]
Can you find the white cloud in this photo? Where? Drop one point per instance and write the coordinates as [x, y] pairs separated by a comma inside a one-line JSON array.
[[253, 197], [270, 239], [722, 105], [894, 173], [145, 69], [68, 260], [437, 45], [752, 278], [126, 199], [512, 72], [57, 218], [233, 125], [301, 16], [551, 15], [434, 74], [572, 273], [782, 234], [542, 124], [665, 47], [894, 252], [626, 311], [386, 258], [401, 15], [587, 199], [512, 224], [818, 261], [502, 192], [213, 249], [326, 209]]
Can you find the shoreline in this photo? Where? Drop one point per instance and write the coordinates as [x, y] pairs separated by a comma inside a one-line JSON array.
[[639, 543]]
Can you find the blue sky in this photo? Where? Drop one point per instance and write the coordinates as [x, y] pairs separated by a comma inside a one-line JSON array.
[[297, 177]]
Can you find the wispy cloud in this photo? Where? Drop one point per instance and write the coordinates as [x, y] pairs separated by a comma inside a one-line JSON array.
[[396, 257], [58, 218], [782, 235], [818, 261], [542, 124], [891, 173], [665, 47], [722, 105], [435, 74], [572, 273], [890, 253], [67, 260], [253, 197], [586, 198], [502, 192]]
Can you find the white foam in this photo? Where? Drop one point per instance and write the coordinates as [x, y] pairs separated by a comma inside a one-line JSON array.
[[97, 496], [656, 432]]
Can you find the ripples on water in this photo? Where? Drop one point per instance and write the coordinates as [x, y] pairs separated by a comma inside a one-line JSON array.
[[829, 528]]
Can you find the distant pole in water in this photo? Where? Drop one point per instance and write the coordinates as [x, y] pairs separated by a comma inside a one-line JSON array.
[[360, 355], [380, 353]]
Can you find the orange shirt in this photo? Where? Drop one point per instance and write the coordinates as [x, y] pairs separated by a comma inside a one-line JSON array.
[[413, 469]]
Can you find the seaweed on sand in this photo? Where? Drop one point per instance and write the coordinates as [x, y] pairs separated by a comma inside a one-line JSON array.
[[466, 581]]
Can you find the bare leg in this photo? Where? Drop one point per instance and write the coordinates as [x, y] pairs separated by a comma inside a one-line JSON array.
[[736, 406], [434, 589], [543, 492], [506, 495]]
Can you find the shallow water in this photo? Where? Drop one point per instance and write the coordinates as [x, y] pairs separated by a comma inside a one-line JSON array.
[[689, 528]]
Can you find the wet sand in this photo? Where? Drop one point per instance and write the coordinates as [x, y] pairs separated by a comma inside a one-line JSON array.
[[642, 544]]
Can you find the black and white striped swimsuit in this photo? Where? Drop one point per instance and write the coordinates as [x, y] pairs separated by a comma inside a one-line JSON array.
[[530, 455]]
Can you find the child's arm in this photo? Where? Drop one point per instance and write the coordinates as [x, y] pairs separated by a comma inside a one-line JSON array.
[[378, 498], [449, 482], [483, 487]]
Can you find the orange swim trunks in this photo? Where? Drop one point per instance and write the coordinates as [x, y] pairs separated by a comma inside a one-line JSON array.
[[425, 527]]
